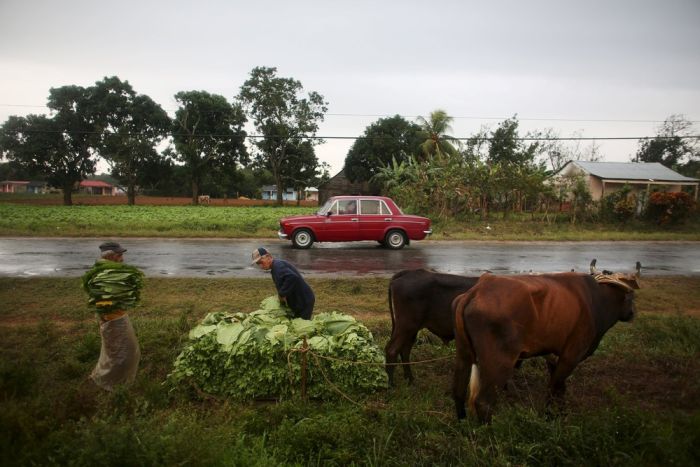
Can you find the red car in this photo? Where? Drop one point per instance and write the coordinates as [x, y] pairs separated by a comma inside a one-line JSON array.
[[353, 218]]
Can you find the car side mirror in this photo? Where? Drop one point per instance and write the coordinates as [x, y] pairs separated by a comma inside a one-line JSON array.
[[328, 214]]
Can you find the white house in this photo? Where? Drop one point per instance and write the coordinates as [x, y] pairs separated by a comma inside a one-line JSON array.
[[606, 177], [270, 192], [311, 194]]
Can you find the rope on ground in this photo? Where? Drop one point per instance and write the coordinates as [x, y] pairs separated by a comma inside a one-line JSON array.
[[333, 386], [382, 363], [440, 415]]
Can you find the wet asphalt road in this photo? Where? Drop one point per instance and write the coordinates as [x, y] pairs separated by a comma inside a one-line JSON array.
[[70, 257]]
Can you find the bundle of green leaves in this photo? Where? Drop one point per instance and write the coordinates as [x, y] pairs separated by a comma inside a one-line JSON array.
[[257, 355], [112, 286]]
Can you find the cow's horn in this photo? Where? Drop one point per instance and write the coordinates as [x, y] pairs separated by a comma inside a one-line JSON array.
[[639, 269], [593, 269]]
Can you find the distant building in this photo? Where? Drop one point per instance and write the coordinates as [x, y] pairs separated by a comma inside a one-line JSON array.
[[270, 192], [340, 185], [96, 187], [311, 194], [10, 186], [604, 178], [13, 186]]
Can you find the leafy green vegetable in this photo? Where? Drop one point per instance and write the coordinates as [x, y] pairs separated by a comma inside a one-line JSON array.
[[258, 355], [112, 286]]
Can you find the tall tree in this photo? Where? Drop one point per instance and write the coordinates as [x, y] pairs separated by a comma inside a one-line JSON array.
[[208, 135], [516, 163], [284, 116], [75, 114], [134, 126], [12, 170], [301, 167], [434, 133], [556, 153], [383, 141], [673, 146], [38, 144]]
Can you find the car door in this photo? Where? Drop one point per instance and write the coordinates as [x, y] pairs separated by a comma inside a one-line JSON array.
[[342, 224], [372, 219]]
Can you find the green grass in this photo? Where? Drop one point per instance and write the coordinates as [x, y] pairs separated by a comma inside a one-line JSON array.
[[527, 227], [143, 221], [634, 402], [263, 222]]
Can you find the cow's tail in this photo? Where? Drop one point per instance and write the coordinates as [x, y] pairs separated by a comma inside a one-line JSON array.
[[465, 346], [392, 308]]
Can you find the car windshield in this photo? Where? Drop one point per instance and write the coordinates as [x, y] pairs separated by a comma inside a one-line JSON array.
[[326, 206]]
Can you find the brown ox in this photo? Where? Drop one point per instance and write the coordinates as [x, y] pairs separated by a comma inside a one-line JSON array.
[[419, 299], [503, 319]]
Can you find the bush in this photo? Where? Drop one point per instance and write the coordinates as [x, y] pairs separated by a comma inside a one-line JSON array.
[[669, 208], [619, 206]]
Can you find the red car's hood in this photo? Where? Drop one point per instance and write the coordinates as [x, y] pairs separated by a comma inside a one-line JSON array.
[[301, 217]]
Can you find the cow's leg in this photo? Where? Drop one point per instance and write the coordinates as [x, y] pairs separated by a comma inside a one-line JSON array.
[[551, 361], [557, 380], [401, 343], [494, 372], [461, 378], [406, 358]]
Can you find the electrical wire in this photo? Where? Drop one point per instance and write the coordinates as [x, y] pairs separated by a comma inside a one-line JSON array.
[[355, 138]]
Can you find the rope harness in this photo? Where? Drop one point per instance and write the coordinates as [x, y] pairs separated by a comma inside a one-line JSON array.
[[624, 281]]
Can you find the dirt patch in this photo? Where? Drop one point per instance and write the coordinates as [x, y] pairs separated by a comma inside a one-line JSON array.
[[649, 385], [30, 321]]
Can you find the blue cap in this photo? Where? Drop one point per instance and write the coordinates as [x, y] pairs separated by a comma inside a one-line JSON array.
[[257, 255]]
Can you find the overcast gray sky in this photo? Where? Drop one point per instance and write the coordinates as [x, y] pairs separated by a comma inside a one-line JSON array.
[[595, 68]]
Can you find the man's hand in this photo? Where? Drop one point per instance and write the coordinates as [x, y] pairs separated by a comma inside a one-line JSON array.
[[283, 299]]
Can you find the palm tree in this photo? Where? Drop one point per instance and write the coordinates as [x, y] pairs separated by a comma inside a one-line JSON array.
[[434, 130]]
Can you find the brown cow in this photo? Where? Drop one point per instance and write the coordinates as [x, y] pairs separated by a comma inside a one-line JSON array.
[[506, 318], [419, 299]]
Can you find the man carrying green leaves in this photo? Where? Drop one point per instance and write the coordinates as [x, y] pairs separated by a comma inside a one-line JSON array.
[[112, 287]]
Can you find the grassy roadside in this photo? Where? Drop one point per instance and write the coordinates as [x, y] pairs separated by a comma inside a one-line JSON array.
[[143, 221], [263, 222], [635, 402]]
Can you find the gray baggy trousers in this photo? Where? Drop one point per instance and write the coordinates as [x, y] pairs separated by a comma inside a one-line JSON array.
[[119, 356]]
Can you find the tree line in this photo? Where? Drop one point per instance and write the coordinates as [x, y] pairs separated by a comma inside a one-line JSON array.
[[201, 149], [203, 145], [431, 172]]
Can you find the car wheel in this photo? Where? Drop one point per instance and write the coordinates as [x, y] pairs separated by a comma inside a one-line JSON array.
[[395, 239], [302, 239]]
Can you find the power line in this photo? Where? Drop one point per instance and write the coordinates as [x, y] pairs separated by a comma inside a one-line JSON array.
[[314, 137], [533, 119], [455, 117]]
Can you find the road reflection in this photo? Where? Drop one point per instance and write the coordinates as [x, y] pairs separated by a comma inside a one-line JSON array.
[[71, 257], [361, 260]]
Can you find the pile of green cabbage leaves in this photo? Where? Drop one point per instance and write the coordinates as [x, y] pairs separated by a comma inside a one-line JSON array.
[[112, 286], [252, 356]]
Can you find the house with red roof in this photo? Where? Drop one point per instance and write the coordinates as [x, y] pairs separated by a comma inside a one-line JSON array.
[[96, 187]]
